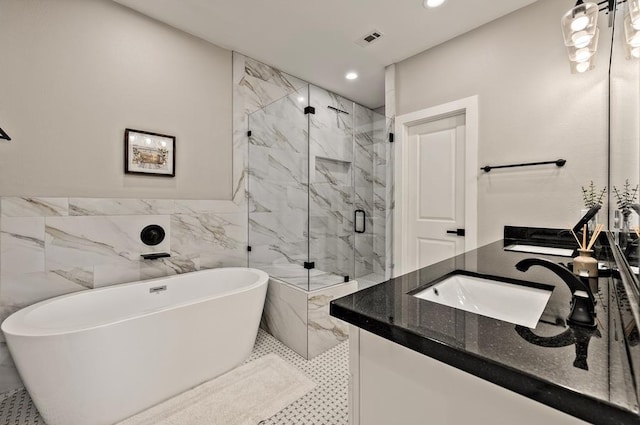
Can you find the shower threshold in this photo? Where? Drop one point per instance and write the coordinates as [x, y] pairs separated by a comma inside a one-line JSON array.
[[309, 280]]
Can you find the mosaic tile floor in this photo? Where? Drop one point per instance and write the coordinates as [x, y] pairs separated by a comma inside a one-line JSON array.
[[325, 405]]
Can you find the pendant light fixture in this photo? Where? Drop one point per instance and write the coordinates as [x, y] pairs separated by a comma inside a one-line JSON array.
[[580, 32]]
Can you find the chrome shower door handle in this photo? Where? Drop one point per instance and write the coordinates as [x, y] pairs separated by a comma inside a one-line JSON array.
[[360, 221]]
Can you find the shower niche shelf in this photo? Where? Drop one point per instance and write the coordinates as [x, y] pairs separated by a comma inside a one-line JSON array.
[[333, 171]]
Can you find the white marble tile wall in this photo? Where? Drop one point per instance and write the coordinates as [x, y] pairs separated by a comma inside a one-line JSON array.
[[103, 246], [255, 85]]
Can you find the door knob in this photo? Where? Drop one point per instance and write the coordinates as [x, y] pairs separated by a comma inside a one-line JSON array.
[[457, 232]]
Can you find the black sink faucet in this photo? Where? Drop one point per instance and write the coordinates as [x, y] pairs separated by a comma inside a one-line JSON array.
[[583, 311]]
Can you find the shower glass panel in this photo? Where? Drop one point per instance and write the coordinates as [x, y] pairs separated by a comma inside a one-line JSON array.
[[319, 191], [331, 189], [278, 189], [372, 152]]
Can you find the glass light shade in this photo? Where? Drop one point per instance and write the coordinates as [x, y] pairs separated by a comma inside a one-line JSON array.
[[582, 67], [584, 53], [579, 25], [432, 3], [634, 13], [632, 52], [632, 35]]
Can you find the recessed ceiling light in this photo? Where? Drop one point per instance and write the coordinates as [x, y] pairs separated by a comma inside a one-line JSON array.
[[432, 3], [351, 76]]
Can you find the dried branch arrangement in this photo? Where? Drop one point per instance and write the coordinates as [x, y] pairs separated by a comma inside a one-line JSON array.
[[592, 196], [626, 197]]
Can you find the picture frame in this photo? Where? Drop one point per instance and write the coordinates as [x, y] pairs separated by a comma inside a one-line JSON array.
[[149, 153]]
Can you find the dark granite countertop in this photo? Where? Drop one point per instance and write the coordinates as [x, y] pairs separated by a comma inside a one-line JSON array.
[[585, 373]]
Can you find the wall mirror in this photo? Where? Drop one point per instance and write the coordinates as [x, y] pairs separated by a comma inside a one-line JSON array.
[[624, 141]]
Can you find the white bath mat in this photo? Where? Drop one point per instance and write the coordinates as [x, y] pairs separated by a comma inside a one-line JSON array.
[[245, 396]]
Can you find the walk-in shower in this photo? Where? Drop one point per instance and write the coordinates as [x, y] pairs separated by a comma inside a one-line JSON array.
[[319, 190]]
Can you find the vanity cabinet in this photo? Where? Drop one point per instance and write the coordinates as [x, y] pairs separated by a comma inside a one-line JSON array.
[[391, 384], [413, 361]]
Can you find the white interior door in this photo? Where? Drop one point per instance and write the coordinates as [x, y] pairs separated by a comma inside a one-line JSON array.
[[436, 191]]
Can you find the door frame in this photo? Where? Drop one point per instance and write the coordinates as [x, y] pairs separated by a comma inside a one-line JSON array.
[[468, 106]]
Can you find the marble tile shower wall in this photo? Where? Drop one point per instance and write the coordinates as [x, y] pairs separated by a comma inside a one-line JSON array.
[[278, 185], [255, 85]]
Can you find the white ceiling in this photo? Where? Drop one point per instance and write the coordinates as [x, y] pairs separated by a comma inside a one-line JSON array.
[[315, 39]]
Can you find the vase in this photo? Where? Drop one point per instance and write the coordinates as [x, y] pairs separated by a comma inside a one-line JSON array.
[[584, 265], [625, 228]]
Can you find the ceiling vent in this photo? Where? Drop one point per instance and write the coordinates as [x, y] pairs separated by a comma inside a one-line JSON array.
[[369, 38]]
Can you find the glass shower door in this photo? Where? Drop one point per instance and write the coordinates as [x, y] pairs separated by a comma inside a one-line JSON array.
[[278, 171], [331, 189], [372, 151]]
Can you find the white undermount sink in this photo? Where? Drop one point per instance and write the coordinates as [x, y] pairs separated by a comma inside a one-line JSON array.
[[510, 302]]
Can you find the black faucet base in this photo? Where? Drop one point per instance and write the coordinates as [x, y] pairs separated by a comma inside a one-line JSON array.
[[582, 313]]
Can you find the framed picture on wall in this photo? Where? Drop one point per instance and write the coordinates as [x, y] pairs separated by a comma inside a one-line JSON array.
[[149, 153]]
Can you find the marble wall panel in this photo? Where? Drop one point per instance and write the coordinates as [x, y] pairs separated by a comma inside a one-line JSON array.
[[99, 240], [264, 84], [285, 315], [22, 290], [114, 206], [330, 132], [186, 206], [214, 239], [325, 331], [33, 207], [255, 85], [22, 245]]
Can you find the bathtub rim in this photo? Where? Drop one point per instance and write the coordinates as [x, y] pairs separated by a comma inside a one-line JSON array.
[[30, 332]]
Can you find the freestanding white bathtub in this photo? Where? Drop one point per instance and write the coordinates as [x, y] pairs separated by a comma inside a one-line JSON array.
[[99, 356]]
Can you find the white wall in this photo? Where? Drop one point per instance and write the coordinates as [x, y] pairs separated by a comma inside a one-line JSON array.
[[76, 73], [531, 109]]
